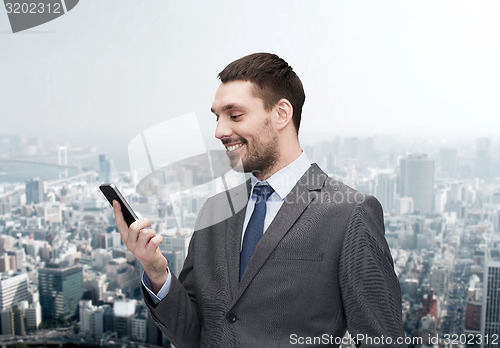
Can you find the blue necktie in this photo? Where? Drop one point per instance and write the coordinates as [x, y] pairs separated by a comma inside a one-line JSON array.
[[255, 227]]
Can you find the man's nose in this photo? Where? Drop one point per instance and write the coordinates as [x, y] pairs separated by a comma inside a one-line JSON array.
[[223, 129]]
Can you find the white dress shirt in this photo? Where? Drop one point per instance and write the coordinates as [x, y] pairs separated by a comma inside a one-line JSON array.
[[282, 182]]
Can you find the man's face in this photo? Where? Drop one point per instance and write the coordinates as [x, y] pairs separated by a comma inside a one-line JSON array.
[[245, 127]]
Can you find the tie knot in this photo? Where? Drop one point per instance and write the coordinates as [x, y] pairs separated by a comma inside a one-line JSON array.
[[262, 192]]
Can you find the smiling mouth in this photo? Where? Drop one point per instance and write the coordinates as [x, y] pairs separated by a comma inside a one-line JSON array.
[[233, 147]]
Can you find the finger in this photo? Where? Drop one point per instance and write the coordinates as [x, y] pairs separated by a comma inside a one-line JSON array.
[[143, 239], [134, 231], [147, 245], [140, 224], [154, 243]]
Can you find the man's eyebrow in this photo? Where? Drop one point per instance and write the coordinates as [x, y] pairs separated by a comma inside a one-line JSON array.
[[228, 107]]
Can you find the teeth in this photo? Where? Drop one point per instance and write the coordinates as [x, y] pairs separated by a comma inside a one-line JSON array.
[[234, 147]]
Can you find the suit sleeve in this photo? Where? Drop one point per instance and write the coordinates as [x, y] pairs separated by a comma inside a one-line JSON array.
[[371, 293], [177, 313]]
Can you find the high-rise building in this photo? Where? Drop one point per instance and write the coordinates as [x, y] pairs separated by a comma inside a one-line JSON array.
[[91, 319], [350, 148], [430, 306], [34, 191], [417, 181], [386, 191], [108, 319], [33, 316], [448, 162], [19, 310], [123, 276], [4, 262], [404, 205], [7, 322], [97, 321], [483, 157], [113, 239], [123, 311], [5, 208], [85, 309], [409, 287], [96, 285], [104, 168], [473, 316], [490, 312], [439, 279], [13, 289], [50, 213], [61, 288], [6, 243], [139, 327], [440, 200], [18, 256], [427, 329]]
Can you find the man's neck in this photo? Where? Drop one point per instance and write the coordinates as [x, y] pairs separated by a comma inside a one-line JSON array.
[[279, 165]]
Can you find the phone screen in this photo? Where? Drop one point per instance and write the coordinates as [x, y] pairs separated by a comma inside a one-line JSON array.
[[112, 193]]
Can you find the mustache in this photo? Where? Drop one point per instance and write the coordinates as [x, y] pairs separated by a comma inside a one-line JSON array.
[[226, 141]]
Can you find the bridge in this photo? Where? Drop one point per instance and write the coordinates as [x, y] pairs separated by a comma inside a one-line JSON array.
[[48, 164]]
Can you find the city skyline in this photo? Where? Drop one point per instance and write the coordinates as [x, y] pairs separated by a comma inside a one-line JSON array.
[[430, 145], [437, 256]]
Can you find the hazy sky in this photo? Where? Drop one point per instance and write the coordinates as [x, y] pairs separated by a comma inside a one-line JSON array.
[[109, 69]]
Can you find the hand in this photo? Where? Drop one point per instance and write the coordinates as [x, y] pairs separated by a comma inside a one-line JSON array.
[[144, 244]]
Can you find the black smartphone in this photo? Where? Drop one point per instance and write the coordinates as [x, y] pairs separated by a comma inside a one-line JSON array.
[[111, 193]]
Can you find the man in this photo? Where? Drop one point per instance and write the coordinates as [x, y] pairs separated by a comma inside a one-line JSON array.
[[302, 260]]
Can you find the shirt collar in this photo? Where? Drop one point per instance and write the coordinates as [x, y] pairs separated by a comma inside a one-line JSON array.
[[285, 179]]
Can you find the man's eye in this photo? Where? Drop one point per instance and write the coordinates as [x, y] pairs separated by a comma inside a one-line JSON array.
[[234, 117]]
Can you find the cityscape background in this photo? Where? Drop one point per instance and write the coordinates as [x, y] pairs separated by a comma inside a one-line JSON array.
[[66, 275], [402, 103]]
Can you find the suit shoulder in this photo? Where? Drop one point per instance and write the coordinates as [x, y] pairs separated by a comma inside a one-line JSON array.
[[352, 200], [232, 196], [334, 185], [222, 206]]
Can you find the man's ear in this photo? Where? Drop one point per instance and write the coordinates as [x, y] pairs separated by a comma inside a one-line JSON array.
[[284, 111]]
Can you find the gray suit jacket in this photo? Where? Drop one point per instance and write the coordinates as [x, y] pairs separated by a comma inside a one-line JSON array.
[[323, 266]]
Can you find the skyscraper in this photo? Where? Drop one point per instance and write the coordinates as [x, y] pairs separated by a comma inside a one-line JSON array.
[[448, 162], [490, 315], [13, 289], [33, 316], [34, 191], [104, 168], [7, 322], [123, 311], [386, 191], [13, 298], [139, 327], [417, 182], [483, 157], [61, 288]]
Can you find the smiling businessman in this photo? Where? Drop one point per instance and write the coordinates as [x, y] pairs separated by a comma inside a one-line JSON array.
[[304, 256]]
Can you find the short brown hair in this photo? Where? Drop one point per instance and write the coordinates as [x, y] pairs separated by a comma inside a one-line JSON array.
[[273, 78]]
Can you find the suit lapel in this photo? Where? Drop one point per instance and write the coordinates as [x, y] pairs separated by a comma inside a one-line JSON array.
[[233, 245], [233, 235], [295, 203]]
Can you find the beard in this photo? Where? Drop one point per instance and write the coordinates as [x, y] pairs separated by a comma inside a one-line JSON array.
[[260, 155]]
